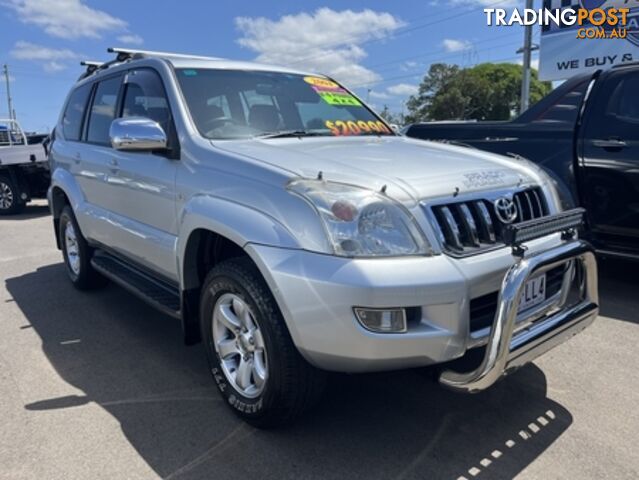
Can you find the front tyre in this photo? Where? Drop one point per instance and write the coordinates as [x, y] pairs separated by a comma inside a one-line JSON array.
[[11, 201], [254, 362], [77, 253]]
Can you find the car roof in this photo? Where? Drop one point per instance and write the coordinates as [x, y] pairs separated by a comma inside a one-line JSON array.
[[127, 58], [221, 63]]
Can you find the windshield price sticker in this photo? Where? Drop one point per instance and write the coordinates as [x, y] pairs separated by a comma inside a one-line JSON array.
[[321, 82], [332, 93], [338, 97], [350, 127]]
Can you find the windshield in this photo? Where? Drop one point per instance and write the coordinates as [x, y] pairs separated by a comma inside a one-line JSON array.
[[232, 104]]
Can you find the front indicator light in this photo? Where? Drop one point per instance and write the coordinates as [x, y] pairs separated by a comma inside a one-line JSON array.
[[382, 320]]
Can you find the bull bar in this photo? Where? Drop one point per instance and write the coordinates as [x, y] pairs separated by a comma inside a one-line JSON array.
[[507, 351]]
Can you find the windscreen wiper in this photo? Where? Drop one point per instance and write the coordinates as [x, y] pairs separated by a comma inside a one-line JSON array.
[[290, 133]]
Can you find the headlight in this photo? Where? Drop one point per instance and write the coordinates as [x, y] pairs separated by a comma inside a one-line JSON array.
[[360, 222]]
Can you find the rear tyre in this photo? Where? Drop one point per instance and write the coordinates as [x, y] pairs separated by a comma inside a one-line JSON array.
[[11, 202], [77, 253], [258, 370]]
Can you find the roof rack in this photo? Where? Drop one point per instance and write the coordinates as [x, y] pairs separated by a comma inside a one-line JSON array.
[[91, 65], [124, 54]]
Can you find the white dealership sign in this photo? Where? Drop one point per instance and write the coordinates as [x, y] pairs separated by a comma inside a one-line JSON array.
[[569, 50]]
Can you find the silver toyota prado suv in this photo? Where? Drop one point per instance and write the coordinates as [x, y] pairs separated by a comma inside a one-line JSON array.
[[293, 232]]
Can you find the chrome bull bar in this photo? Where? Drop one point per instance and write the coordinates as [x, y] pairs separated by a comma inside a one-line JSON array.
[[505, 352]]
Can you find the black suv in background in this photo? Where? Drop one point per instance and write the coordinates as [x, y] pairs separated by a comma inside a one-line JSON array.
[[585, 134]]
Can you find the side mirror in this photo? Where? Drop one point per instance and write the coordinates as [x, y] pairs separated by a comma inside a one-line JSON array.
[[137, 134]]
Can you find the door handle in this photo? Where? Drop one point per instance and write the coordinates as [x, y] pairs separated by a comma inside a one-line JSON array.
[[77, 158], [611, 143], [114, 165]]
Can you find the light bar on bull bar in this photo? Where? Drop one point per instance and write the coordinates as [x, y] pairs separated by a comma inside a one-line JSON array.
[[540, 227]]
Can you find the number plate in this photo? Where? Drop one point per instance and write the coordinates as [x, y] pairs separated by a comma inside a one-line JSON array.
[[534, 293]]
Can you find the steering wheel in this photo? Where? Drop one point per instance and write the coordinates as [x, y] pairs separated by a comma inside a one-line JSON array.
[[215, 123]]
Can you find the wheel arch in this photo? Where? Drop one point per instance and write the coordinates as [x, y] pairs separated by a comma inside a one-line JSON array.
[[213, 230], [62, 191]]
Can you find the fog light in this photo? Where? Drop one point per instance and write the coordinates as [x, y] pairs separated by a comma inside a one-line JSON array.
[[382, 321]]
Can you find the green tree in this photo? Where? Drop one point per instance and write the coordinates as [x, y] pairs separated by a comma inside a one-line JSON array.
[[439, 75], [487, 91]]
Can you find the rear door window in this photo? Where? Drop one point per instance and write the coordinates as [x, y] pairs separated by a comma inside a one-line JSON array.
[[102, 110]]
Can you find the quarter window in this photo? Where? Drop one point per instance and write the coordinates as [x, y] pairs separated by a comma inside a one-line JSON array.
[[103, 110], [74, 113]]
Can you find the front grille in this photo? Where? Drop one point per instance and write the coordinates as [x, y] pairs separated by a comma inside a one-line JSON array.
[[483, 309], [469, 227]]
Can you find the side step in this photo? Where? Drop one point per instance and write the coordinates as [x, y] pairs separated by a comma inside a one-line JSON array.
[[156, 293]]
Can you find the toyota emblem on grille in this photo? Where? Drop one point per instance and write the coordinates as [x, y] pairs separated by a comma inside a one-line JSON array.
[[505, 210]]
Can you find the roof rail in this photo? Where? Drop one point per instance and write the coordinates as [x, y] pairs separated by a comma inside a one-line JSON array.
[[91, 66], [626, 64], [127, 53]]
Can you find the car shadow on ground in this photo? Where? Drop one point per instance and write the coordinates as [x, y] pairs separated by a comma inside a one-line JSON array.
[[129, 359], [30, 212]]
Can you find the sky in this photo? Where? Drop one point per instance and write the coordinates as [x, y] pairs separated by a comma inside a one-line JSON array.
[[379, 49]]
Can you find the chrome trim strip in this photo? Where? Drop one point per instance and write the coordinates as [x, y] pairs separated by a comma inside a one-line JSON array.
[[538, 200], [519, 208], [506, 351], [467, 216], [488, 221], [532, 210], [454, 228]]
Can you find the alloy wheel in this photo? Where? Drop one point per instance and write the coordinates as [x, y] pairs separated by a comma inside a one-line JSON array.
[[240, 345], [6, 196], [72, 249]]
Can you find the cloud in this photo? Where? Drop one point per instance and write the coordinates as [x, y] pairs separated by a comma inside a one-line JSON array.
[[53, 66], [324, 41], [403, 89], [65, 18], [453, 45], [51, 59], [379, 95], [131, 39], [410, 65]]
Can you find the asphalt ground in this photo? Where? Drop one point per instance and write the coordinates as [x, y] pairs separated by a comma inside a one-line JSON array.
[[98, 385]]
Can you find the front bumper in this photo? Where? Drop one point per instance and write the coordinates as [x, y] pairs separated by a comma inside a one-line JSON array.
[[506, 351], [316, 294]]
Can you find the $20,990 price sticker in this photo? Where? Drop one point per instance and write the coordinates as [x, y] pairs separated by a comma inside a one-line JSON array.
[[350, 127]]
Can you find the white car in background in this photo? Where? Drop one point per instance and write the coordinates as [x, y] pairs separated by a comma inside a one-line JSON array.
[[24, 169]]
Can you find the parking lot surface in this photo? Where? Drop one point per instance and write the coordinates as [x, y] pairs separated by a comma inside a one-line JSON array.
[[98, 385]]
